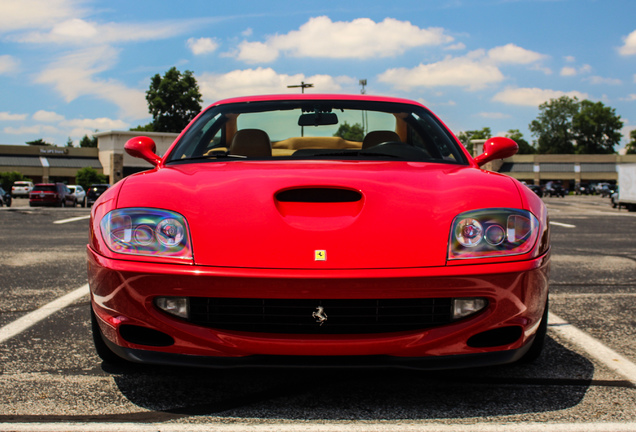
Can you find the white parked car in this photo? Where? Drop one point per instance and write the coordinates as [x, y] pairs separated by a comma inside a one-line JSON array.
[[79, 193], [21, 189]]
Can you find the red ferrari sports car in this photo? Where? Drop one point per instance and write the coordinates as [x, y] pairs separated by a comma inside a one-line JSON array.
[[319, 230]]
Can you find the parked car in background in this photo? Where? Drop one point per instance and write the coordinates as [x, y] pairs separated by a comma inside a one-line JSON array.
[[598, 188], [607, 190], [582, 189], [79, 193], [51, 194], [94, 192], [21, 189], [5, 198], [554, 188]]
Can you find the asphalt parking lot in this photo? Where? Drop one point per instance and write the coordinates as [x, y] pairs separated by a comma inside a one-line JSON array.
[[50, 378]]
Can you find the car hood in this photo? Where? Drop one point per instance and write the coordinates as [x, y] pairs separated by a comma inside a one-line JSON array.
[[390, 215]]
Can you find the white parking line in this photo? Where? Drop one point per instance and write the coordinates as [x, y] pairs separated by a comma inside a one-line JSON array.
[[62, 221], [358, 426], [561, 224], [593, 347], [32, 318]]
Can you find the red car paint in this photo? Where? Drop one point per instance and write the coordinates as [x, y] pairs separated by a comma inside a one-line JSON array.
[[249, 242]]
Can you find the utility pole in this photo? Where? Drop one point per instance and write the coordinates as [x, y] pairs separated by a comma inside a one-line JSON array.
[[365, 120], [302, 86]]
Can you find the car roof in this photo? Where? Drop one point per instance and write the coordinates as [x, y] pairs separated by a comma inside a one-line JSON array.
[[309, 97]]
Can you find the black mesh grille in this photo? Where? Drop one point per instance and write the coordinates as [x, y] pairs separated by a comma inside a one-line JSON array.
[[297, 316]]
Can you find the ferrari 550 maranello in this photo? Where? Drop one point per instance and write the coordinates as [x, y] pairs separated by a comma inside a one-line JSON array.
[[319, 230]]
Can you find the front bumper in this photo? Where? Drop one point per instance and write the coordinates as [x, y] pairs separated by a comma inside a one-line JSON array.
[[122, 294]]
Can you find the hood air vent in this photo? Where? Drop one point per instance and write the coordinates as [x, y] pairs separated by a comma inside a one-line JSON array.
[[319, 195]]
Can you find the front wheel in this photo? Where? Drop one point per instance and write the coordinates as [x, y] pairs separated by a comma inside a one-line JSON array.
[[539, 339], [100, 346]]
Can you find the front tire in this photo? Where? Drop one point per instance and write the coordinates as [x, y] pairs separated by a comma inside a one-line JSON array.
[[539, 339], [100, 346]]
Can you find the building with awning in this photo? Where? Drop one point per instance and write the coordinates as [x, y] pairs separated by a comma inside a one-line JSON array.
[[45, 164], [48, 164]]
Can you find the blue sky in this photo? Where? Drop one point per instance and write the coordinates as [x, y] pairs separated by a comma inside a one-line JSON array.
[[70, 67]]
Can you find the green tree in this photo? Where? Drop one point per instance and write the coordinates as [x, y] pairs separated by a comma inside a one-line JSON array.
[[353, 132], [8, 178], [88, 142], [631, 146], [173, 100], [88, 176], [467, 136], [524, 146], [69, 142], [38, 142], [145, 128], [597, 128], [553, 126]]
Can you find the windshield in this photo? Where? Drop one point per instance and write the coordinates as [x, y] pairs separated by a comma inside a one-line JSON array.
[[318, 129]]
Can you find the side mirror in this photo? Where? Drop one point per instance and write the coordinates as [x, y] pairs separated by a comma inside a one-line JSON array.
[[497, 148], [144, 148]]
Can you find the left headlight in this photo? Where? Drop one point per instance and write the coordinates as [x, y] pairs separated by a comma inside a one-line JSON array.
[[492, 233], [147, 232]]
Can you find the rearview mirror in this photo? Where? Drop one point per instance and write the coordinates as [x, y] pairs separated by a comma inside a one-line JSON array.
[[318, 119], [497, 148]]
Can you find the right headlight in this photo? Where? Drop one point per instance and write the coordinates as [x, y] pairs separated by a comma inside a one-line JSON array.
[[491, 233]]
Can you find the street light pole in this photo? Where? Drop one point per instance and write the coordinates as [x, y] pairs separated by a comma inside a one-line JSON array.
[[302, 86]]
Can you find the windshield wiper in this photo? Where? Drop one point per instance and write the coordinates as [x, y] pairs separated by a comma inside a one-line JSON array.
[[214, 155]]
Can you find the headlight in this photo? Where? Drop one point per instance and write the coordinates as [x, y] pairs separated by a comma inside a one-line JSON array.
[[147, 232], [492, 232]]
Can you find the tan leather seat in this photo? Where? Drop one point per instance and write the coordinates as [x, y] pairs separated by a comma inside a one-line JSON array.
[[376, 137], [251, 143]]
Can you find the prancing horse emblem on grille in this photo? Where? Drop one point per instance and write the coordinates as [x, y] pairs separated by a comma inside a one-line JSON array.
[[320, 315]]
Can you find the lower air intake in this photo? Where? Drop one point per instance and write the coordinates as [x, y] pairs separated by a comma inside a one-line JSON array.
[[320, 316]]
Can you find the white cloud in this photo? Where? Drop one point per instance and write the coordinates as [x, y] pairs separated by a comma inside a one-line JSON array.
[[569, 59], [494, 115], [361, 38], [532, 96], [6, 116], [456, 47], [263, 81], [568, 71], [601, 80], [460, 72], [76, 31], [256, 52], [32, 130], [34, 14], [629, 46], [47, 116], [101, 124], [629, 98], [202, 45], [513, 54], [573, 71], [74, 75], [8, 64]]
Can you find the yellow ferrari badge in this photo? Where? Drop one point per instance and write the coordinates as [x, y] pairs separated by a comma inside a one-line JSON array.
[[320, 255]]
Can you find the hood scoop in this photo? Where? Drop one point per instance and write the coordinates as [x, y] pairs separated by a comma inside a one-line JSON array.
[[319, 195], [319, 208]]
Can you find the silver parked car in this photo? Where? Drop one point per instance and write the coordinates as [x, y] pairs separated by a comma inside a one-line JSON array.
[[79, 193]]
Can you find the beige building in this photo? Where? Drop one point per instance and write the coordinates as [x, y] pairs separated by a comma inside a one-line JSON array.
[[44, 164]]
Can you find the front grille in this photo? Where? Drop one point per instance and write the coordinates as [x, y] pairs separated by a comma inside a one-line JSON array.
[[304, 316]]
